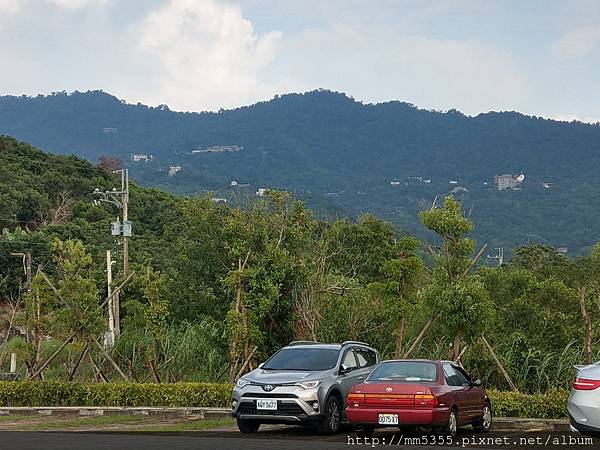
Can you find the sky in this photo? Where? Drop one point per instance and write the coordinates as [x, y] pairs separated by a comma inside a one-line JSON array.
[[539, 57]]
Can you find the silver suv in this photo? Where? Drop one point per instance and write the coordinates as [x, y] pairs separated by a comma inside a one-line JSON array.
[[303, 383]]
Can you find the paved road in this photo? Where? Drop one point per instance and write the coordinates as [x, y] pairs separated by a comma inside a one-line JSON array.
[[277, 439]]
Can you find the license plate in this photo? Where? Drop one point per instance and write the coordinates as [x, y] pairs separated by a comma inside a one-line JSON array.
[[388, 419], [270, 405]]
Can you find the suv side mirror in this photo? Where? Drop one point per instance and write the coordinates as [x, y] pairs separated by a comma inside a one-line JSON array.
[[345, 369], [477, 382], [260, 365]]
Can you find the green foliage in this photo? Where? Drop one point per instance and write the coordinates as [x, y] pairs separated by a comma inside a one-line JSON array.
[[551, 405], [77, 289], [505, 404], [460, 298], [50, 393]]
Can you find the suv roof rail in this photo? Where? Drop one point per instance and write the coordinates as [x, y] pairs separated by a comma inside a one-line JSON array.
[[355, 342], [293, 343]]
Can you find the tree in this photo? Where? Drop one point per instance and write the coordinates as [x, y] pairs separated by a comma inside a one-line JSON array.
[[111, 163], [401, 280], [454, 293]]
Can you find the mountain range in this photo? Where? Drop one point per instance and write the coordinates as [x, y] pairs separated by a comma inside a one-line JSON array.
[[343, 157]]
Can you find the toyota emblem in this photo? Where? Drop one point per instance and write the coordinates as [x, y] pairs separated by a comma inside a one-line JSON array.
[[268, 387], [388, 389]]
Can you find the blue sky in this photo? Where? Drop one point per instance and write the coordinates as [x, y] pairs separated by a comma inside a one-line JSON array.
[[538, 57]]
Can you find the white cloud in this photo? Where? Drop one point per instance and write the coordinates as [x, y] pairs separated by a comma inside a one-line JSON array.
[[76, 4], [209, 55], [577, 43], [10, 6], [376, 63]]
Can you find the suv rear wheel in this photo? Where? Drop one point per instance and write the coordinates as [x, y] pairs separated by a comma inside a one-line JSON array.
[[248, 426], [333, 416]]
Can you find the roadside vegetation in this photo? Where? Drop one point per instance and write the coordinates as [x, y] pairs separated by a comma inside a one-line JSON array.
[[213, 290]]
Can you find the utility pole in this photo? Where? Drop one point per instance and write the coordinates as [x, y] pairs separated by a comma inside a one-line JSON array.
[[499, 256], [110, 340], [125, 196], [123, 229], [26, 268]]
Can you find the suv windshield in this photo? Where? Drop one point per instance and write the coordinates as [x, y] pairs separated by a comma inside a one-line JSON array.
[[310, 359], [404, 371]]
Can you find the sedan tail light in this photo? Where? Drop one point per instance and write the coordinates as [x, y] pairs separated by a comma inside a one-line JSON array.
[[583, 384], [426, 401], [356, 399]]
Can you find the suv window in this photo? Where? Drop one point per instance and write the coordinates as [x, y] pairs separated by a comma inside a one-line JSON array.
[[453, 377], [309, 359], [349, 360], [365, 357]]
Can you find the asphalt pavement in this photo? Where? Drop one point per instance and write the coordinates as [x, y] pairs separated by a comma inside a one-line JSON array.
[[292, 439]]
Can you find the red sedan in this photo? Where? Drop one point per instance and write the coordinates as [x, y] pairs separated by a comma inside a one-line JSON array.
[[413, 393]]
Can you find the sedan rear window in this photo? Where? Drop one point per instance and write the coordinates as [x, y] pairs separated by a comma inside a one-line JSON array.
[[409, 371], [308, 359]]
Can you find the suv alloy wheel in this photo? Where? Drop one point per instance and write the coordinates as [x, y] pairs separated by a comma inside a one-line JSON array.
[[333, 416]]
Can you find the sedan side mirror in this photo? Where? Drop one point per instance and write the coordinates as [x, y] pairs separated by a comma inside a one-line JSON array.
[[477, 382]]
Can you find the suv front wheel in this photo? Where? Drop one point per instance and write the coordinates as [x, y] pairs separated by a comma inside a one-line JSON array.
[[333, 416], [248, 426]]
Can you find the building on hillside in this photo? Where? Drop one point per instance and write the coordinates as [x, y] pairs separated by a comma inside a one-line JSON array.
[[508, 181], [138, 157], [547, 185], [261, 192], [219, 200], [453, 181], [174, 169], [218, 149], [395, 183]]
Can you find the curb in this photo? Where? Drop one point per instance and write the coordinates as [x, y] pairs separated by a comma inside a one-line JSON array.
[[523, 424], [92, 411]]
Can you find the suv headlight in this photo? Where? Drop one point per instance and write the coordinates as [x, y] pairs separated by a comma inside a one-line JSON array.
[[309, 384], [241, 383]]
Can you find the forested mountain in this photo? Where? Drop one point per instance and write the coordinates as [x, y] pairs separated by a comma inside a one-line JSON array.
[[342, 155]]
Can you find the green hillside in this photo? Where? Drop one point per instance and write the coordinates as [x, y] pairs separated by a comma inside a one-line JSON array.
[[342, 156]]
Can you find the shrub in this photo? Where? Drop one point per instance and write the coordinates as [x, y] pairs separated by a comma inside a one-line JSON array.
[[50, 393], [550, 405]]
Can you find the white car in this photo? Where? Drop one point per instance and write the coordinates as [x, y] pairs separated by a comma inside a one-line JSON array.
[[584, 401]]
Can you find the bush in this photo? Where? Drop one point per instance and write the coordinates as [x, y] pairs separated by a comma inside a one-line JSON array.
[[50, 393], [550, 405]]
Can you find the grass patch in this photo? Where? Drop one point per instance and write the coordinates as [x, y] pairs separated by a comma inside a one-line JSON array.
[[53, 423], [190, 425], [16, 418]]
